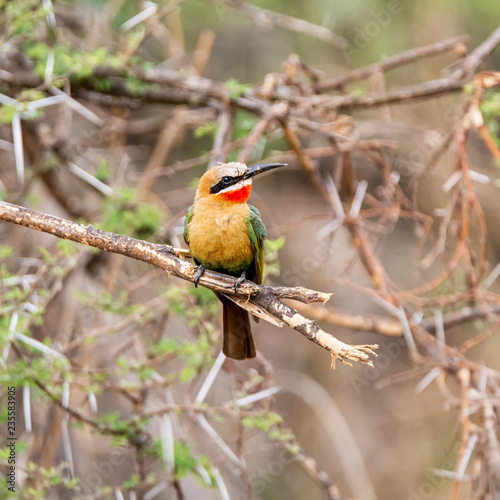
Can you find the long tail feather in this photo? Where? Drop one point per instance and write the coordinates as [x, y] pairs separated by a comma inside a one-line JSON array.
[[238, 340]]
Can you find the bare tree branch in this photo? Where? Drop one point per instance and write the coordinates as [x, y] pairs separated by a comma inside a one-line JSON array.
[[391, 63], [165, 257]]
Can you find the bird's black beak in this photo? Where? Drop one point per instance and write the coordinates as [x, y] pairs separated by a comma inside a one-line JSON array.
[[259, 169]]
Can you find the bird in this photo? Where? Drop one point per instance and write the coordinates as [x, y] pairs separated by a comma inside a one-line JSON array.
[[225, 234]]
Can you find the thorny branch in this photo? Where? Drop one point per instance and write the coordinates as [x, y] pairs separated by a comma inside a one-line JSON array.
[[165, 257]]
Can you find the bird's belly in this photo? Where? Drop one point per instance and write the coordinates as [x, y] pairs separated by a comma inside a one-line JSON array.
[[221, 242]]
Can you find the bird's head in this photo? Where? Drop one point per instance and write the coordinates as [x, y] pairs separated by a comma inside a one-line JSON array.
[[231, 181]]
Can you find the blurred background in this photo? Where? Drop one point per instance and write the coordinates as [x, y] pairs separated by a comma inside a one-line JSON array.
[[121, 391]]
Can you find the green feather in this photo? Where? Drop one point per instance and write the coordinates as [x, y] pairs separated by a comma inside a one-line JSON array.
[[257, 233], [188, 218]]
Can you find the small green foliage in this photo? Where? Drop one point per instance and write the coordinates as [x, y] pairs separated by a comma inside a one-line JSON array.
[[130, 428], [293, 448], [101, 84], [68, 248], [490, 109], [265, 422], [273, 246], [281, 434], [469, 88], [135, 85], [51, 161], [194, 183], [46, 256], [271, 256], [244, 123], [205, 298], [111, 303], [188, 373], [208, 129], [104, 170], [69, 61], [29, 95], [15, 294], [62, 364], [58, 271], [24, 21], [7, 113], [146, 373], [168, 345], [358, 92], [134, 480], [104, 301], [105, 492], [134, 38], [6, 251], [237, 89], [197, 356], [124, 214], [184, 461], [271, 424]]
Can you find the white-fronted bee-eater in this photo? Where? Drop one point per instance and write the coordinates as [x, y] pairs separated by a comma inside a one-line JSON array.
[[226, 235]]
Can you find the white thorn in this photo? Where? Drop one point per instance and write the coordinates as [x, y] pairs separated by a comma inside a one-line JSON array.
[[150, 9], [212, 374], [18, 146], [358, 199], [27, 407]]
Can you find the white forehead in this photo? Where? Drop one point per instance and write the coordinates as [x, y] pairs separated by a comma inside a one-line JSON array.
[[233, 169]]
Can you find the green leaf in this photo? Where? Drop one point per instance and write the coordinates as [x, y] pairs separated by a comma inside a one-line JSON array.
[[165, 346], [68, 248], [208, 129], [263, 422], [184, 460], [123, 214], [6, 251], [237, 89], [490, 109], [244, 123]]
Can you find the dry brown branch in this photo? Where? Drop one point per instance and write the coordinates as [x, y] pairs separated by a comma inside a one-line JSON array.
[[191, 89], [391, 63], [391, 327], [267, 18], [470, 63], [357, 322], [164, 257]]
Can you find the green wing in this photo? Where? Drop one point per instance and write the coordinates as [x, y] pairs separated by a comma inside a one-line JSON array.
[[258, 234], [189, 216]]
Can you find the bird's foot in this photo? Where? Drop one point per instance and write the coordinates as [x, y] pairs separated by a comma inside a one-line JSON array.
[[198, 275], [239, 281]]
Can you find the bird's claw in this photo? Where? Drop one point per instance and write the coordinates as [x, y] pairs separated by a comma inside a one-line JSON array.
[[198, 275], [180, 253], [239, 281]]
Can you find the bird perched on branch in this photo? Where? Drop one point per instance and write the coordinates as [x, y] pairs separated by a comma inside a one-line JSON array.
[[226, 235]]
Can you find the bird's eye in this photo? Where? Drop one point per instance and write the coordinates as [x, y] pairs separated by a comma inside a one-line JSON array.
[[226, 179]]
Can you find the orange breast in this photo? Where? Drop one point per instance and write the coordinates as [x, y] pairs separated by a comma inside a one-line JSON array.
[[218, 235]]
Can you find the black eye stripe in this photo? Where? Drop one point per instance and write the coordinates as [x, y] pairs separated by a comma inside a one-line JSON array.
[[224, 183]]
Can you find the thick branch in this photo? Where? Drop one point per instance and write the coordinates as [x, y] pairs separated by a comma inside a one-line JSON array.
[[165, 257]]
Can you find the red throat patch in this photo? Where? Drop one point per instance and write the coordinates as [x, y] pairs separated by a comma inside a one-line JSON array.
[[238, 196]]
